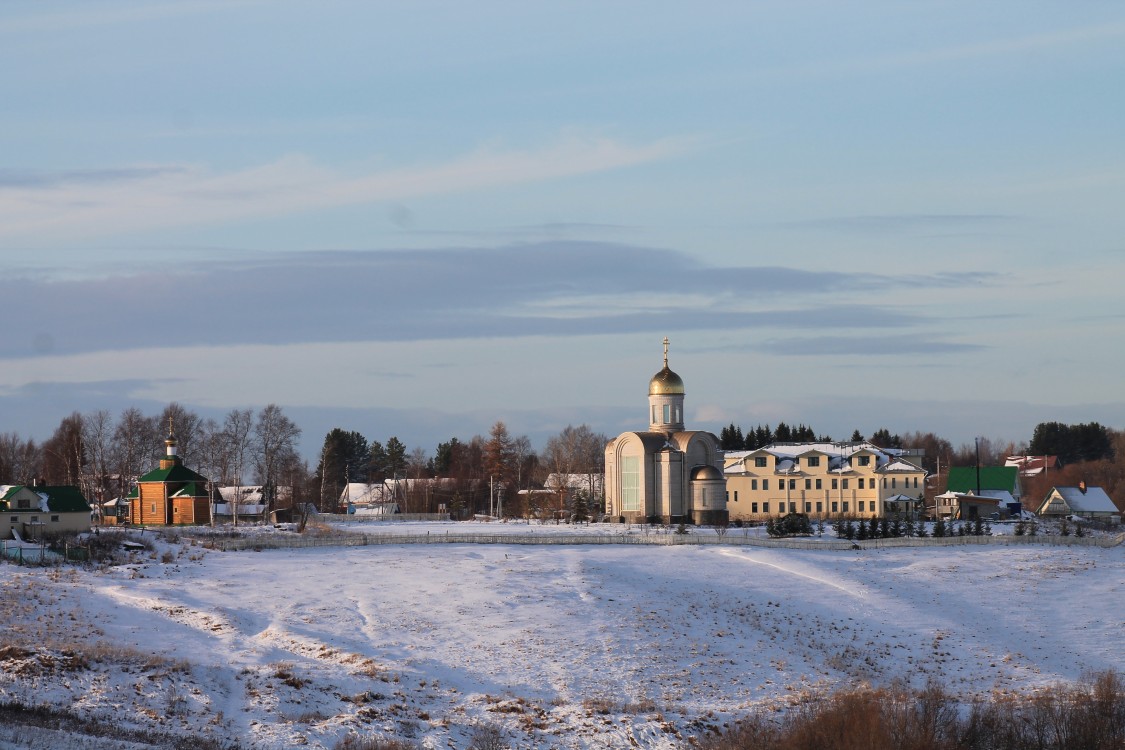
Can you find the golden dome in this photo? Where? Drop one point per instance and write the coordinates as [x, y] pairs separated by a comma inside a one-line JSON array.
[[666, 383]]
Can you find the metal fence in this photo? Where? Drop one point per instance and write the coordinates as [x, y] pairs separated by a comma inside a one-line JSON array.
[[656, 539]]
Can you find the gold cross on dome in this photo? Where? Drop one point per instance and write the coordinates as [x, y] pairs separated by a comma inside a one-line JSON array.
[[665, 351]]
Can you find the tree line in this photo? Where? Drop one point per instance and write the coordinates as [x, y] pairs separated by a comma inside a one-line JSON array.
[[104, 456], [482, 474]]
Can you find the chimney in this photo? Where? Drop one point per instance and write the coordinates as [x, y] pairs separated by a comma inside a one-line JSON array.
[[1082, 487]]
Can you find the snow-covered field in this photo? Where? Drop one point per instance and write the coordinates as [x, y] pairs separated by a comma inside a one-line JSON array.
[[554, 646]]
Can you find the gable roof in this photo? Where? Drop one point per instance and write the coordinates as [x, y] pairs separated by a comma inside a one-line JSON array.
[[1093, 500], [177, 473], [54, 499], [964, 478]]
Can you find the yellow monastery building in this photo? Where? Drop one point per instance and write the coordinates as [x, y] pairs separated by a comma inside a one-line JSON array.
[[823, 480], [667, 473]]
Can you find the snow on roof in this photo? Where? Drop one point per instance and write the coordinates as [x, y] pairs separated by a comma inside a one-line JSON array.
[[839, 456], [1093, 500], [1001, 495]]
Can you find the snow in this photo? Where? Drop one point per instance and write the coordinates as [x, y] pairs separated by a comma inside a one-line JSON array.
[[562, 646]]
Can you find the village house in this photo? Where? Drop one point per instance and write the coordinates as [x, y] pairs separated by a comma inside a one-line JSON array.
[[1091, 503], [825, 479], [34, 511]]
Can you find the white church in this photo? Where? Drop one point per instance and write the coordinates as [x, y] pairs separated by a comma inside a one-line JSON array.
[[666, 474]]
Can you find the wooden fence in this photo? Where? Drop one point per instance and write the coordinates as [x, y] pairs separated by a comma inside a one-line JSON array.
[[657, 539]]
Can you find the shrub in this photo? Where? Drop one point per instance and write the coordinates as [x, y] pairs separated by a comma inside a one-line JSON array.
[[1089, 714]]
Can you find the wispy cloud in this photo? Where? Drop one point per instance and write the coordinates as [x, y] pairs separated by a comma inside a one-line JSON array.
[[895, 223], [546, 289], [996, 47], [127, 199], [921, 343]]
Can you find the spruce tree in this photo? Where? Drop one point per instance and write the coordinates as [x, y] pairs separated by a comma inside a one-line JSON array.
[[939, 527], [861, 532]]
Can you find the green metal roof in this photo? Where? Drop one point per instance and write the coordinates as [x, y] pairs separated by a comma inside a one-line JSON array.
[[60, 498], [178, 473], [964, 478]]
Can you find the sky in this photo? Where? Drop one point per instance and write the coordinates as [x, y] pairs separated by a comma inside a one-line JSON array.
[[418, 218]]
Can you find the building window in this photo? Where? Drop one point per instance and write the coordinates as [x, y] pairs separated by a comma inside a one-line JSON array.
[[808, 484], [765, 484], [765, 507], [835, 483], [813, 461], [631, 483], [678, 417], [845, 506], [792, 484], [834, 508], [861, 504], [864, 460], [654, 413], [818, 484], [792, 507], [915, 482], [54, 519], [667, 413], [154, 507], [736, 496], [861, 483], [845, 484], [819, 507], [808, 507], [760, 462], [728, 496], [753, 507], [33, 519], [894, 482], [753, 484], [884, 483]]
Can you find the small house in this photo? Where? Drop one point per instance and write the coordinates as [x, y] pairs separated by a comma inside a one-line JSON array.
[[1087, 502], [32, 511]]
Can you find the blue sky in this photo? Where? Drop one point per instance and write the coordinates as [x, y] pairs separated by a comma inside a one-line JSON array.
[[418, 218]]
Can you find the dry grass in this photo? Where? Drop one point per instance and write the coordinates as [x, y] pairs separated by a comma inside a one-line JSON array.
[[1087, 716]]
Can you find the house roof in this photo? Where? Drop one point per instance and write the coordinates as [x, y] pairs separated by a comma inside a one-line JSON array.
[[839, 455], [177, 473], [57, 499], [1030, 466], [964, 478], [1093, 500]]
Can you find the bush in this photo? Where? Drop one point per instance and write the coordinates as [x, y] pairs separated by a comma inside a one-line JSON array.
[[792, 524], [1090, 714]]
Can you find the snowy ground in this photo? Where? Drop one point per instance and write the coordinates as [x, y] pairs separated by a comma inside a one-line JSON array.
[[557, 646]]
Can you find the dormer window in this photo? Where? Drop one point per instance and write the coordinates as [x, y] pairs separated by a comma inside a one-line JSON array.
[[760, 462], [813, 461], [863, 460]]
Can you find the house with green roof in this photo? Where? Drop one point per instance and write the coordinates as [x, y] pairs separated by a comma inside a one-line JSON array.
[[32, 512], [992, 482], [172, 494]]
